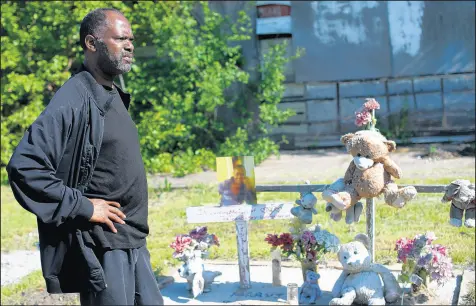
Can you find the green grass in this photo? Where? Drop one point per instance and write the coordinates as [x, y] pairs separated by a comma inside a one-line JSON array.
[[167, 218], [19, 231], [12, 294]]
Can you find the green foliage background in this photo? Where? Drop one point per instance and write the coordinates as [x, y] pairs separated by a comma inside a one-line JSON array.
[[176, 95]]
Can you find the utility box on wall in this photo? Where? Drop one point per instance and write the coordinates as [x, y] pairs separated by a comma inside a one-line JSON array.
[[273, 26]]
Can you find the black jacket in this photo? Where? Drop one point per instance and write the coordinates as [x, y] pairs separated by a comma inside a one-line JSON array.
[[48, 172]]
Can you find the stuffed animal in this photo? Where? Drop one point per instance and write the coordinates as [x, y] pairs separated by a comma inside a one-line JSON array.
[[307, 207], [361, 281], [198, 280], [461, 195], [310, 290], [370, 172], [352, 214]]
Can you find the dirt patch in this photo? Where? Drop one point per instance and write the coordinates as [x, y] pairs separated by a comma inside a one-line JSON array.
[[42, 297], [438, 152]]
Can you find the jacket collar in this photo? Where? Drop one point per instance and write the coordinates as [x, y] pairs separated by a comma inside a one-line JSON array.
[[97, 90]]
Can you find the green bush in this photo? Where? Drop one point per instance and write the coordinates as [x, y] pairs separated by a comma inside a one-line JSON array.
[[176, 95]]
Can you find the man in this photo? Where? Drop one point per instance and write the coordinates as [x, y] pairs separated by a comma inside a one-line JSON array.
[[237, 189], [79, 169]]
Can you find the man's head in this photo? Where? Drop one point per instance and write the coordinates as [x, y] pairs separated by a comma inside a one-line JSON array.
[[106, 38], [239, 173]]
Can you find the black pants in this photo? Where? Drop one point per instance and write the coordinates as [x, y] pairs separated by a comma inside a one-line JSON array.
[[129, 278]]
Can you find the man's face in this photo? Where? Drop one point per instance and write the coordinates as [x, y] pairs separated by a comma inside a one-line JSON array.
[[114, 45], [239, 175]]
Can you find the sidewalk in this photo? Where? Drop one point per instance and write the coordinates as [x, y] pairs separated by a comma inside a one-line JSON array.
[[225, 289], [319, 166]]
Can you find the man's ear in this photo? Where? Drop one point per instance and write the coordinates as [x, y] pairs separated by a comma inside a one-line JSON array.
[[391, 145], [346, 138], [90, 43]]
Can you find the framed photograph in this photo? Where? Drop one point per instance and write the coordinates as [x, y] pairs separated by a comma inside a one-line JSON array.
[[236, 180]]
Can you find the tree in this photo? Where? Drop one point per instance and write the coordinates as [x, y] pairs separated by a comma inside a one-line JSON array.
[[175, 95]]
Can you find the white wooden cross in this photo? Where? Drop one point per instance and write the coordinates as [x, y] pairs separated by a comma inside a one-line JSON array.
[[240, 214]]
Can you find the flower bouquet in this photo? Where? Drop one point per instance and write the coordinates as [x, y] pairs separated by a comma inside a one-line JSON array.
[[307, 245], [366, 115], [422, 259], [186, 246]]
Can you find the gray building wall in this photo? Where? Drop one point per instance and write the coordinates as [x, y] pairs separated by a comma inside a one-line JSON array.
[[413, 55]]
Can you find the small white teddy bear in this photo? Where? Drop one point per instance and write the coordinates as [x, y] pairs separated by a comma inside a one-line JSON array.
[[307, 207], [198, 280], [361, 281], [310, 290]]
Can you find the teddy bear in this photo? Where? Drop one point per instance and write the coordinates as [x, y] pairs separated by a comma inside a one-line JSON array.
[[352, 214], [370, 172], [310, 290], [307, 207], [198, 280], [461, 195], [361, 281]]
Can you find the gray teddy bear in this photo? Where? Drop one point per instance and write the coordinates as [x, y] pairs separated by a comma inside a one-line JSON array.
[[352, 214], [461, 195]]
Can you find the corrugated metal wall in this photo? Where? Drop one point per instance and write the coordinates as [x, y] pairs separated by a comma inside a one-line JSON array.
[[417, 56]]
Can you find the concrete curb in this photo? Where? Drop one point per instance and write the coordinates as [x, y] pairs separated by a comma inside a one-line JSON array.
[[466, 278], [331, 264]]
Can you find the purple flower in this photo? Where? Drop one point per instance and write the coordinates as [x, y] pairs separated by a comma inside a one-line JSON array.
[[433, 259], [199, 233]]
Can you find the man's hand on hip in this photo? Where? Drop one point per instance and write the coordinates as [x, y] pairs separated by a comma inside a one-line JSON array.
[[106, 212]]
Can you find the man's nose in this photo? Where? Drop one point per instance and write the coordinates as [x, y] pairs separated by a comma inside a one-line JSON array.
[[129, 46]]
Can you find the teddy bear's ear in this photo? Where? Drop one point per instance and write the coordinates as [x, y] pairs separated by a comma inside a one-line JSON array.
[[391, 145], [344, 139], [364, 239]]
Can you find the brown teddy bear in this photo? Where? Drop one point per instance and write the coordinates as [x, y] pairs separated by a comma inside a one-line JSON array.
[[370, 172]]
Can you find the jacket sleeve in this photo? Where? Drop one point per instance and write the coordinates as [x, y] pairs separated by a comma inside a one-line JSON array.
[[32, 169]]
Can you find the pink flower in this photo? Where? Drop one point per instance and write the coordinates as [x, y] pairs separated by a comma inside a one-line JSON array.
[[442, 250], [287, 241], [362, 117], [273, 240], [311, 255], [181, 243], [430, 236], [404, 247], [371, 104]]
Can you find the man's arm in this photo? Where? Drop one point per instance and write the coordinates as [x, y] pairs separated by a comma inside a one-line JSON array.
[[32, 169]]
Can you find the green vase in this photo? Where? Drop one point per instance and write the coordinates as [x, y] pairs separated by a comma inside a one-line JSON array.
[[425, 281], [307, 265]]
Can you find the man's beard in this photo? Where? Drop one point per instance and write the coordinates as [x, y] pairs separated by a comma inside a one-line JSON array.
[[108, 63]]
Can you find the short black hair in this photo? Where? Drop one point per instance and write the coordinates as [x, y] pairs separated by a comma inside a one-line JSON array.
[[93, 22]]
